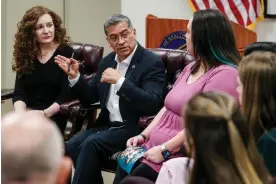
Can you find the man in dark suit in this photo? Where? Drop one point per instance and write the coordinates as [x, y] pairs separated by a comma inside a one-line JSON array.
[[129, 83]]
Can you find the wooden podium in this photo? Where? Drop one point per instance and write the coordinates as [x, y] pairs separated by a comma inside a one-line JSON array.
[[160, 31]]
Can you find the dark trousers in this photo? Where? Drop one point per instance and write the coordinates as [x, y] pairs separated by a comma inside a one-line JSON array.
[[87, 148], [142, 170]]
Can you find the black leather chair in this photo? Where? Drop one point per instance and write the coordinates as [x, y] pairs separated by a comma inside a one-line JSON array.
[[89, 57]]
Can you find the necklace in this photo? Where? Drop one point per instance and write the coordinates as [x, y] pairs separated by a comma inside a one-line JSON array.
[[43, 55], [52, 50]]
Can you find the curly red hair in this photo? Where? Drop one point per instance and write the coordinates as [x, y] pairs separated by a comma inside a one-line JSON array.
[[25, 46]]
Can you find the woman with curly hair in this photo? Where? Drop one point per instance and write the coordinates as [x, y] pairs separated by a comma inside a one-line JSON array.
[[40, 84]]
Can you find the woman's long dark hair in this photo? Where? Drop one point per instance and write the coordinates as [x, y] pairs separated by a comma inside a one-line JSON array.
[[213, 40]]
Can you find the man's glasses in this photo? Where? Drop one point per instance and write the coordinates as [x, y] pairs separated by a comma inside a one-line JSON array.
[[115, 38]]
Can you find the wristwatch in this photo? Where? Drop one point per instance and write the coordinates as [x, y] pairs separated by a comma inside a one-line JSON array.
[[165, 152], [144, 137]]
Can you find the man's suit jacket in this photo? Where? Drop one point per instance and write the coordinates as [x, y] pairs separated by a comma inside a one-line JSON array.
[[140, 94]]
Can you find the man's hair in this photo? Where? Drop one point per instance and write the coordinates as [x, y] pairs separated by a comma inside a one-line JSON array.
[[114, 20], [260, 46], [31, 145]]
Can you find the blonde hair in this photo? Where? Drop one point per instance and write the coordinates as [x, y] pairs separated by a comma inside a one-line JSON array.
[[220, 137]]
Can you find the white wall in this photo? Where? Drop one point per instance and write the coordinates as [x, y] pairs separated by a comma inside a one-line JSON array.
[[3, 38], [137, 11], [266, 30], [85, 19]]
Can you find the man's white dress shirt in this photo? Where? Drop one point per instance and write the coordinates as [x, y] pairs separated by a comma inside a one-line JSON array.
[[112, 103]]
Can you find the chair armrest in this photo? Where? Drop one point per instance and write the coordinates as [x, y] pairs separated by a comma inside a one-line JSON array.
[[144, 121], [79, 110], [65, 107], [91, 107], [6, 95], [77, 113]]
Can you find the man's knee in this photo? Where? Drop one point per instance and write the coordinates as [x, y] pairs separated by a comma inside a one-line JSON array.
[[72, 146], [91, 142]]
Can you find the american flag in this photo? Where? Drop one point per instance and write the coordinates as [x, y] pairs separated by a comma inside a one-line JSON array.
[[243, 12]]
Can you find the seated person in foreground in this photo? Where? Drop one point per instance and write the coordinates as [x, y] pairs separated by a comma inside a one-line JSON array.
[[32, 150], [257, 92], [129, 83], [213, 70], [214, 125]]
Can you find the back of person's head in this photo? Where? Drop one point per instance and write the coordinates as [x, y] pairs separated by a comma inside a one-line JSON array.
[[32, 150], [257, 73], [260, 46], [218, 136], [213, 39]]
